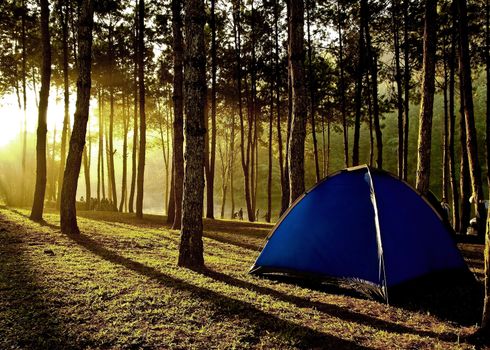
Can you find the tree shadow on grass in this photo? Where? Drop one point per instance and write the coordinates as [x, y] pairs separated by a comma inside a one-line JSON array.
[[330, 309], [263, 322], [30, 319], [41, 222]]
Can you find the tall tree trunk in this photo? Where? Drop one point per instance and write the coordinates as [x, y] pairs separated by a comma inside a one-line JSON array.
[[376, 118], [178, 157], [245, 156], [299, 108], [42, 129], [427, 101], [231, 168], [359, 74], [445, 129], [471, 138], [406, 88], [134, 155], [111, 121], [77, 141], [451, 136], [24, 100], [52, 177], [345, 130], [464, 173], [312, 87], [212, 160], [373, 67], [191, 245], [66, 100], [125, 157], [141, 80], [398, 80], [284, 185]]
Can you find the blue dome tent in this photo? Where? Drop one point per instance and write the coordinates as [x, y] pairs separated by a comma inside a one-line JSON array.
[[364, 225]]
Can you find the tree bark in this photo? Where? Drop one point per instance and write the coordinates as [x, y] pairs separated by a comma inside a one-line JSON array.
[[345, 127], [40, 190], [77, 141], [178, 157], [141, 80], [427, 102], [191, 245], [471, 136], [299, 107]]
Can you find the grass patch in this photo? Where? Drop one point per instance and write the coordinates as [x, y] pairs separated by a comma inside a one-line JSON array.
[[117, 286]]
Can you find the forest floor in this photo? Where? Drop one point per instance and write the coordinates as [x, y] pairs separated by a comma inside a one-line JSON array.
[[117, 286]]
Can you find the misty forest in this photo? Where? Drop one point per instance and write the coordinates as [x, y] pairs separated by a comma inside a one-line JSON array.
[[195, 174]]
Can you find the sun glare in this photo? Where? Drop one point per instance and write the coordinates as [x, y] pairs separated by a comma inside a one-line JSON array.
[[12, 117]]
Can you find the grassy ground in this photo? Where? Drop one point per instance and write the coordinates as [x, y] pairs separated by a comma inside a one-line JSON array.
[[117, 286]]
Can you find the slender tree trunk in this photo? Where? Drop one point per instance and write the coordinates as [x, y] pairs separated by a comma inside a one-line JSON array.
[[427, 102], [464, 174], [191, 245], [40, 190], [245, 156], [212, 160], [451, 137], [284, 185], [312, 91], [406, 88], [125, 157], [77, 141], [111, 121], [134, 155], [66, 86], [359, 75], [178, 157], [141, 80], [398, 80], [345, 130], [232, 166], [471, 136], [445, 130], [24, 100], [373, 67], [299, 108]]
